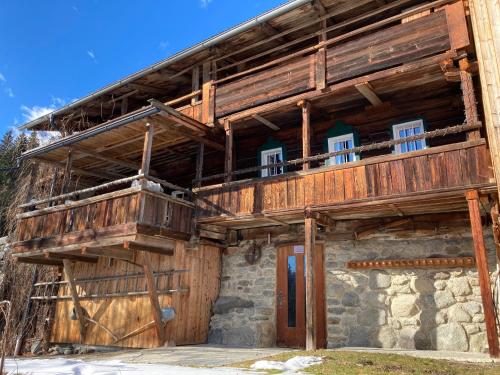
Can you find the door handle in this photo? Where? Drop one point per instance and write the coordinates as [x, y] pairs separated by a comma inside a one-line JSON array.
[[280, 298]]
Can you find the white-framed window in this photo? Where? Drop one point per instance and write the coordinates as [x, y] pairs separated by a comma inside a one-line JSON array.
[[407, 129], [272, 156], [339, 143]]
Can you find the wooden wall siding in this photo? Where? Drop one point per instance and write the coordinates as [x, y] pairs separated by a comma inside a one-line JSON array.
[[123, 315], [160, 212], [445, 167], [384, 49], [64, 223], [379, 50]]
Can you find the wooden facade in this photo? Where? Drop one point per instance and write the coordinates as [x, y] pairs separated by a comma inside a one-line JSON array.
[[171, 179]]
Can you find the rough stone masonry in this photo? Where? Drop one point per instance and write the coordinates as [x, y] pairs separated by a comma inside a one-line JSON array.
[[436, 309]]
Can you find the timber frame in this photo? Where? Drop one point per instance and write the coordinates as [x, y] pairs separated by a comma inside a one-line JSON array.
[[180, 163]]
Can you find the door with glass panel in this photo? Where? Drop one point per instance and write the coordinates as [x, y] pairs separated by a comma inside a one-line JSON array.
[[290, 296]]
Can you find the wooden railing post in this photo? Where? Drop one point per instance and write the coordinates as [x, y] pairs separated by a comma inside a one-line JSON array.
[[309, 249], [146, 152], [483, 272], [229, 157], [321, 69], [306, 131]]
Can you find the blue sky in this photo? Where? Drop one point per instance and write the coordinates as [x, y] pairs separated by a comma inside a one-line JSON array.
[[52, 52]]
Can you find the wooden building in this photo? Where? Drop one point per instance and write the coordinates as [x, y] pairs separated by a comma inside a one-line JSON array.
[[319, 125]]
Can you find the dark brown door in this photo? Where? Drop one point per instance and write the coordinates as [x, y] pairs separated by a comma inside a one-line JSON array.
[[290, 294]]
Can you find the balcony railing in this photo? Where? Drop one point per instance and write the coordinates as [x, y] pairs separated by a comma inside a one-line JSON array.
[[134, 217], [435, 173]]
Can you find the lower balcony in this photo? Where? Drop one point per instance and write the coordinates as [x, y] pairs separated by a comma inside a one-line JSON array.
[[425, 181], [112, 224]]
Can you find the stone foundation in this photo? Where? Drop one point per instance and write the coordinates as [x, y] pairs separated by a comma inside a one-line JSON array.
[[402, 308]]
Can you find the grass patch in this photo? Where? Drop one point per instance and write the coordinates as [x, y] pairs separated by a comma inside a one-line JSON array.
[[354, 363]]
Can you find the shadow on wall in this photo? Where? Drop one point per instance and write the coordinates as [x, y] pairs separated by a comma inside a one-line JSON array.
[[428, 309]]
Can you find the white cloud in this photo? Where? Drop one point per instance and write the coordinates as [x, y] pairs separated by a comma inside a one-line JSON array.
[[204, 3], [2, 78], [32, 113], [92, 55], [9, 92]]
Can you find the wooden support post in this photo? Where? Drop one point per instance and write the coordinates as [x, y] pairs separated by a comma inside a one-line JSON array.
[[495, 215], [199, 163], [483, 272], [229, 158], [153, 298], [309, 249], [195, 84], [68, 271], [124, 106], [208, 103], [469, 98], [321, 69], [146, 152], [67, 172], [306, 131]]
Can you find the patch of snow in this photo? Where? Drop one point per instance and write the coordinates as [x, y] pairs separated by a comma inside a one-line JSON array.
[[292, 365], [63, 366]]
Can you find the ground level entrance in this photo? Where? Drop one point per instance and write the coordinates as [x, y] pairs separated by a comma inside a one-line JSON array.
[[290, 296]]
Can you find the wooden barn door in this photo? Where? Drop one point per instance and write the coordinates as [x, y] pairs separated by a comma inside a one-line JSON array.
[[290, 297]]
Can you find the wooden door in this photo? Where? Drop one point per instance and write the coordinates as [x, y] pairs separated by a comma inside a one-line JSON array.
[[290, 297]]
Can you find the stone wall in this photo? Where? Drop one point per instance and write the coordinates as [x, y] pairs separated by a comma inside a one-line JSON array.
[[411, 309], [415, 309], [244, 314]]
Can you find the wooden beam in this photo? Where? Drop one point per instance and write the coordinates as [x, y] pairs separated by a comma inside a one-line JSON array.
[[321, 218], [147, 89], [306, 131], [199, 163], [153, 298], [92, 153], [72, 257], [124, 106], [139, 246], [483, 272], [229, 158], [67, 172], [495, 215], [309, 249], [381, 227], [68, 271], [266, 122], [208, 102], [146, 151], [116, 252], [195, 84], [368, 92], [180, 118]]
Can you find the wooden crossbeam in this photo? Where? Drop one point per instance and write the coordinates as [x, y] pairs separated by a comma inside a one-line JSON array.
[[321, 218], [368, 92], [116, 252], [147, 89], [266, 122], [179, 117], [92, 153], [42, 261], [133, 245], [73, 257], [381, 227], [68, 271]]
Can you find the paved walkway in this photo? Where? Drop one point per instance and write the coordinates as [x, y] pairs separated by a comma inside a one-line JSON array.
[[191, 355]]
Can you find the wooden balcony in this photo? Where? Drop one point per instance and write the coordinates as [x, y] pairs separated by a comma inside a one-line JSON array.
[[111, 224], [380, 46], [425, 181]]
